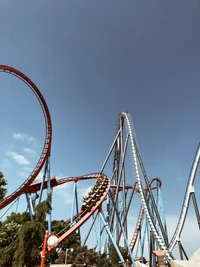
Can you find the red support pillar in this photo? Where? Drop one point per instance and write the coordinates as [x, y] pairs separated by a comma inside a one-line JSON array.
[[44, 250]]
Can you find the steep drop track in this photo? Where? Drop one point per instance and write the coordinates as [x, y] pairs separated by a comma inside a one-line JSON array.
[[138, 164]]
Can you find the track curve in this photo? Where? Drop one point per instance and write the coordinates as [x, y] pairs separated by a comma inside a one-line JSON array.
[[140, 217], [185, 206], [102, 188], [135, 154], [48, 137], [36, 185]]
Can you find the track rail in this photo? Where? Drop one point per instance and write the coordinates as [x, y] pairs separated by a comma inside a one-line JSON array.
[[86, 213], [48, 137], [140, 217], [137, 229], [36, 185], [136, 156], [189, 190]]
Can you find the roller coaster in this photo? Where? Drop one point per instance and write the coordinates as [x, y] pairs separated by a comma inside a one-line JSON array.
[[120, 186]]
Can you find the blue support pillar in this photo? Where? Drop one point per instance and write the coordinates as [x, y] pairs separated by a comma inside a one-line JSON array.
[[99, 236], [43, 180], [114, 243], [17, 204], [77, 208], [107, 221], [122, 228], [30, 207], [144, 234], [137, 248], [162, 213], [49, 192], [73, 202]]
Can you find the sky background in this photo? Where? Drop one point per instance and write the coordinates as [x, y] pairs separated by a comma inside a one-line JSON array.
[[92, 60]]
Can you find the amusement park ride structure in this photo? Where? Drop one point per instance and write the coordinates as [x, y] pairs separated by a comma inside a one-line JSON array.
[[111, 199]]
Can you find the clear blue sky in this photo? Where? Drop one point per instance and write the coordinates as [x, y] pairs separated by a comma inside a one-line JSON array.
[[91, 60]]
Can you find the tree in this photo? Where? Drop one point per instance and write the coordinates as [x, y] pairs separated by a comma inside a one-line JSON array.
[[8, 233], [21, 240], [60, 227], [25, 248], [42, 209], [19, 218], [83, 255], [114, 258], [79, 255], [7, 255], [29, 240], [10, 227], [3, 183]]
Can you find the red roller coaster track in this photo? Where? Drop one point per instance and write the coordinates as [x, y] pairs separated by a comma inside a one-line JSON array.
[[140, 217], [36, 185], [88, 213], [47, 145]]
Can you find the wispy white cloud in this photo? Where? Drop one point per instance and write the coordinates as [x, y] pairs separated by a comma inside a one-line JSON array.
[[20, 159], [29, 151], [22, 137], [65, 191]]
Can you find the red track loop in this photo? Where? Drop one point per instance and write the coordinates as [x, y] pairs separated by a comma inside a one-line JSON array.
[[47, 145]]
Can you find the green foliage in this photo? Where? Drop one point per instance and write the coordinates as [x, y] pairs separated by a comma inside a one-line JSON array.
[[80, 255], [114, 258], [60, 227], [18, 218], [8, 233], [10, 227], [25, 249], [7, 255], [83, 255], [73, 240], [42, 209], [20, 238], [29, 239], [3, 183]]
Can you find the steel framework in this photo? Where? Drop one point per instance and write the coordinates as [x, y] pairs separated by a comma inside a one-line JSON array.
[[114, 197]]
